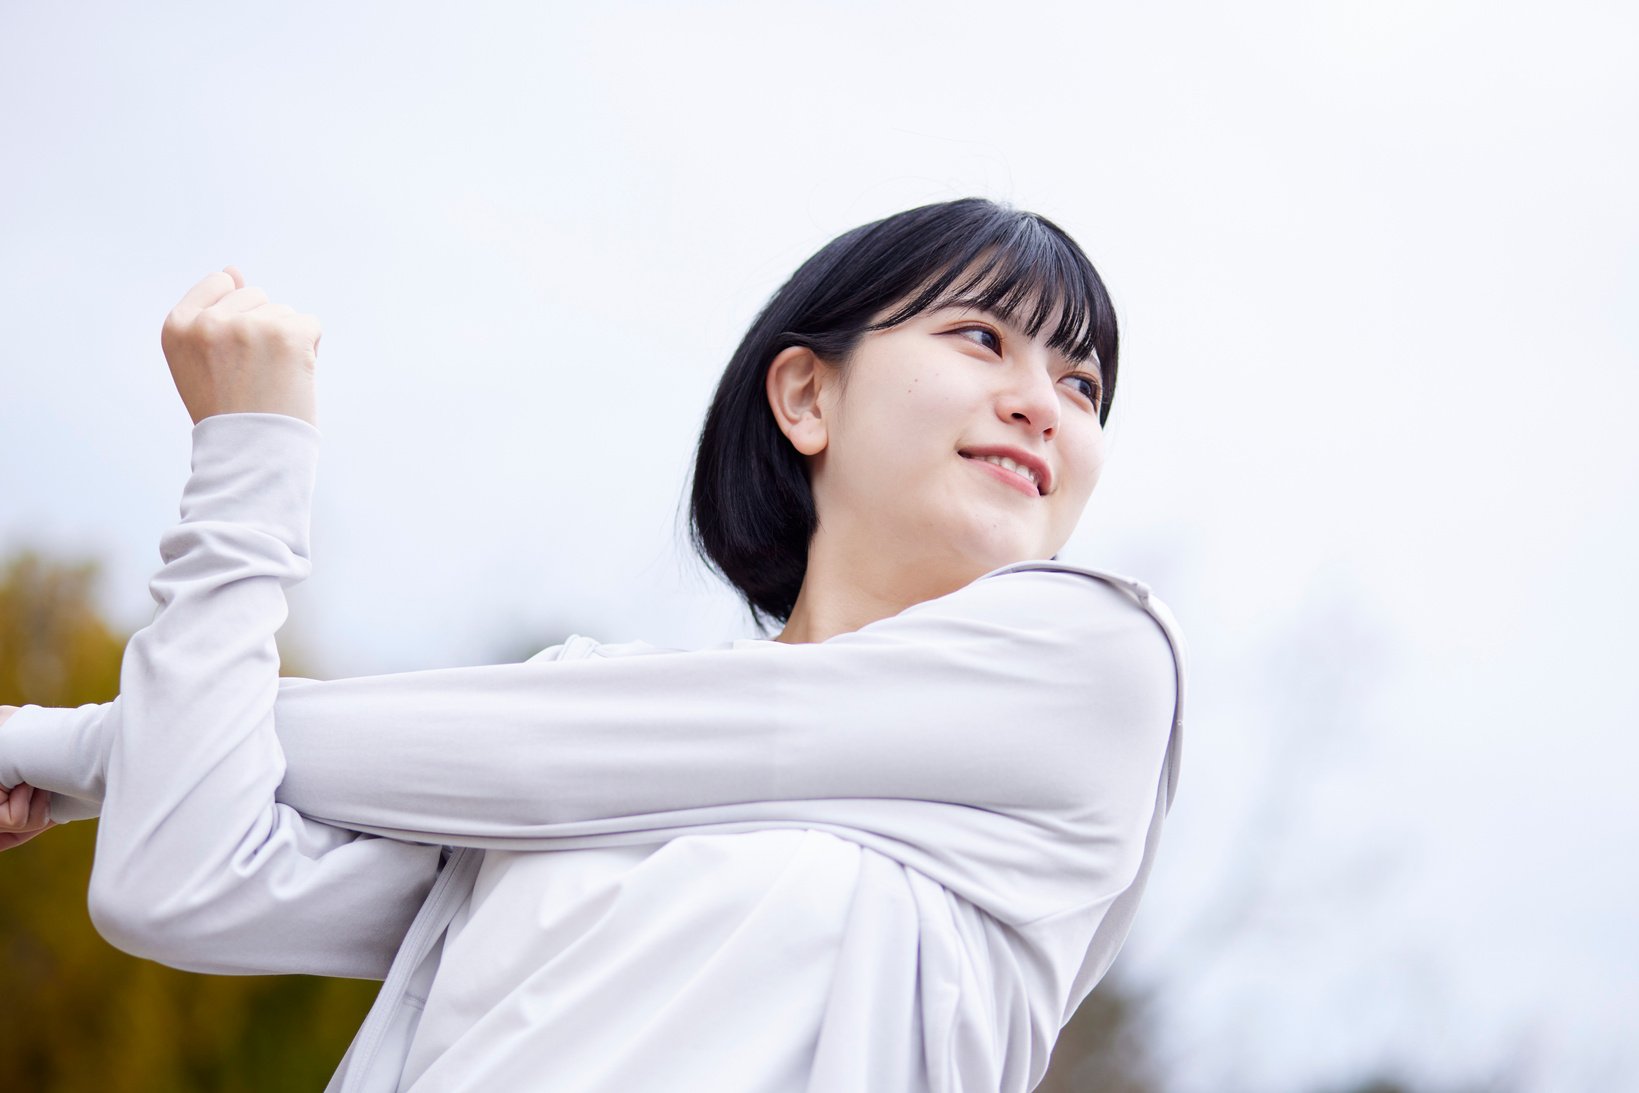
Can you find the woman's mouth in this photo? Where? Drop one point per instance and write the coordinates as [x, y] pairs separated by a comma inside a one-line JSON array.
[[1003, 470]]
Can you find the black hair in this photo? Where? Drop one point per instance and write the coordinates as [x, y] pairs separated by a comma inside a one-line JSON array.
[[751, 512]]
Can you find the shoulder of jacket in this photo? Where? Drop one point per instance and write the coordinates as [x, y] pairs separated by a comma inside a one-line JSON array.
[[1157, 610], [1136, 588]]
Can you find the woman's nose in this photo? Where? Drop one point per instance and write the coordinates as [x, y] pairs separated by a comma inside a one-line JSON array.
[[1031, 397]]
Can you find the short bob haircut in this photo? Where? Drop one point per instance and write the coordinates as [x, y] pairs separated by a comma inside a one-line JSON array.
[[751, 512]]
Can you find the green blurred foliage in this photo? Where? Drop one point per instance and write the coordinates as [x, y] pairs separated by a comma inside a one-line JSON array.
[[80, 1015]]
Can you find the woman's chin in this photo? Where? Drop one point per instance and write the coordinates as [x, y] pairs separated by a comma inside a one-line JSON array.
[[994, 555]]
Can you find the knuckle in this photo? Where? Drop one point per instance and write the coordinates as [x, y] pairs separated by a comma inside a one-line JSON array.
[[291, 334], [234, 329]]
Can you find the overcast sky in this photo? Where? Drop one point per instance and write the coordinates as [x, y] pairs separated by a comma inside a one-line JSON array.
[[1375, 265]]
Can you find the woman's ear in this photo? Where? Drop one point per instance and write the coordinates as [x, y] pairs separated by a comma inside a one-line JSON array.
[[797, 379]]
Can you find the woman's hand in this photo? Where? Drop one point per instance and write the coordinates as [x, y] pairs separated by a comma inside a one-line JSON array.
[[232, 351], [23, 812], [22, 807]]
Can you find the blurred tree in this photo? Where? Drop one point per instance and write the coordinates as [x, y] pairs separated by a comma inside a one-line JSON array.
[[81, 1015], [54, 647]]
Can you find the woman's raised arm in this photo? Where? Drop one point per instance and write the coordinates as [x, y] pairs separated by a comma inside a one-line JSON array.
[[1009, 738], [196, 865]]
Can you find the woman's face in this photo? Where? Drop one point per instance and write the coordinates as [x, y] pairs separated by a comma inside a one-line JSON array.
[[901, 466]]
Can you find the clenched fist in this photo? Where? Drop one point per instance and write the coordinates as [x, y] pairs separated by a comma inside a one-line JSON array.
[[24, 813], [24, 810], [232, 351]]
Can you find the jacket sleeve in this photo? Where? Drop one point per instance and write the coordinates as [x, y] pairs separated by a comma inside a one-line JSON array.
[[196, 865], [59, 749], [63, 750], [1008, 739]]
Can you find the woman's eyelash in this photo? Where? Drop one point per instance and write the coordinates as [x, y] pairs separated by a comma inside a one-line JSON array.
[[982, 330]]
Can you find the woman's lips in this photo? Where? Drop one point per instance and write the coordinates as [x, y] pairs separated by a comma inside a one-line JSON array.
[[1017, 481]]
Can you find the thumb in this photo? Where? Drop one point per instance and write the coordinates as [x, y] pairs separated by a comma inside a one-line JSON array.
[[238, 278], [15, 809]]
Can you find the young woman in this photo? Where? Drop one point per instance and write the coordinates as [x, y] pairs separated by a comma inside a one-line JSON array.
[[892, 847]]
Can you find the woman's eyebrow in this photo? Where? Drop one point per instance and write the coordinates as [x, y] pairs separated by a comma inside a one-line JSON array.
[[1000, 320], [989, 313]]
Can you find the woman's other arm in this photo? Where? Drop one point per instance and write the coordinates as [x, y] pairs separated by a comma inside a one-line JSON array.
[[1008, 738]]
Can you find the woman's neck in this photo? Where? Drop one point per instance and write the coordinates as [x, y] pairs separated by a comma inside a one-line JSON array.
[[843, 590]]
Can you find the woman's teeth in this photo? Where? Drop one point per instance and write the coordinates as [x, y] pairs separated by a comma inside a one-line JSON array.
[[1012, 465]]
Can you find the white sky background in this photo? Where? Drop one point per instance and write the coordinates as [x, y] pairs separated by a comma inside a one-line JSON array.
[[1372, 439]]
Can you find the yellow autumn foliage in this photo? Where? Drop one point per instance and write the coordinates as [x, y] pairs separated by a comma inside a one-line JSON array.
[[80, 1015]]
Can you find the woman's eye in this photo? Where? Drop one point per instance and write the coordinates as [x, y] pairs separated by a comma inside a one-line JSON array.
[[1090, 389], [983, 330]]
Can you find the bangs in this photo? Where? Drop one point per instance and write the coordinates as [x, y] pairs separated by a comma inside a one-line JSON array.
[[1029, 278]]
